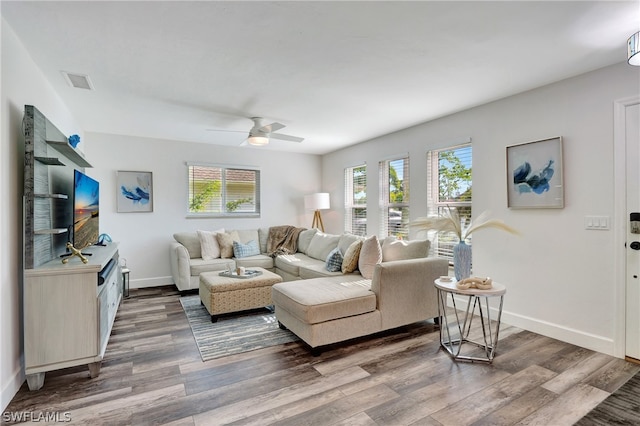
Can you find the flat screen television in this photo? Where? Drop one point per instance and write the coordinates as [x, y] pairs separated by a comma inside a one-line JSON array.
[[86, 206]]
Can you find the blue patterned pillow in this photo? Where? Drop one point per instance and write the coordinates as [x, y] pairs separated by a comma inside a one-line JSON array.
[[334, 260], [245, 250]]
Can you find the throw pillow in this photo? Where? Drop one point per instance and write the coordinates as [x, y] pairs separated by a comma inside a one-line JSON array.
[[209, 244], [334, 261], [370, 256], [245, 250], [321, 244], [394, 249], [191, 242], [225, 240], [351, 257]]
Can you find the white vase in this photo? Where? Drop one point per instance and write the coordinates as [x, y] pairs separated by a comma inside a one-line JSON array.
[[462, 260]]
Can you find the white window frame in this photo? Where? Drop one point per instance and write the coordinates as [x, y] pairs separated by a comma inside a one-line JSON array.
[[224, 213], [351, 204], [401, 229], [442, 244]]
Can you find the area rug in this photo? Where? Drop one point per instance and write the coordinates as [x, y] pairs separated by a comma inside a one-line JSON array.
[[622, 407], [233, 333]]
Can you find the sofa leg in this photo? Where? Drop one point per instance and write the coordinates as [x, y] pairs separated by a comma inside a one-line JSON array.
[[214, 318], [281, 326], [436, 320], [316, 351]]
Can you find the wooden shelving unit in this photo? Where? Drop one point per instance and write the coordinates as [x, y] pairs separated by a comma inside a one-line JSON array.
[[68, 313]]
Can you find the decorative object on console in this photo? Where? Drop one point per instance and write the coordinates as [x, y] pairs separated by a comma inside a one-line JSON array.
[[475, 282], [451, 222], [534, 174], [135, 192], [74, 252], [74, 140], [318, 201], [633, 49]]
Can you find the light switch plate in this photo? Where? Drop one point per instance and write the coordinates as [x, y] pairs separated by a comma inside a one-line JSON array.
[[596, 222]]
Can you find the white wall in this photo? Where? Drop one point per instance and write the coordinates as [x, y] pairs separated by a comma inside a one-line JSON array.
[[144, 237], [22, 84], [558, 275]]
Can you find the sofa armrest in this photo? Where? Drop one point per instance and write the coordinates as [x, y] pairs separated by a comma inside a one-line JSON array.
[[180, 265], [405, 291]]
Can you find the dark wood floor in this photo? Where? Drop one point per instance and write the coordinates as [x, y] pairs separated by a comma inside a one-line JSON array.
[[152, 374]]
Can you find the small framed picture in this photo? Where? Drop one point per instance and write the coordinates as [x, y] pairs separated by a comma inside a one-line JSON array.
[[134, 192], [534, 175]]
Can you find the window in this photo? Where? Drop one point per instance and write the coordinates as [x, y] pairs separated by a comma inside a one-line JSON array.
[[223, 191], [355, 200], [450, 179], [394, 197]]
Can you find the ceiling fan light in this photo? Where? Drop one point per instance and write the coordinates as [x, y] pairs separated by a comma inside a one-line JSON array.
[[633, 49], [258, 140]]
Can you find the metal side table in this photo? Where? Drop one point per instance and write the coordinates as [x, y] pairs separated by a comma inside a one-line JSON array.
[[455, 334]]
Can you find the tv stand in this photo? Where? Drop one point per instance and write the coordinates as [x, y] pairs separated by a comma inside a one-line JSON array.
[[69, 310]]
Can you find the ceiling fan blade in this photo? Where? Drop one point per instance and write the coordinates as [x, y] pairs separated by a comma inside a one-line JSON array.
[[223, 130], [273, 127], [285, 137]]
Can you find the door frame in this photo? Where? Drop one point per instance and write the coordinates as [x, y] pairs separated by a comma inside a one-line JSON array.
[[620, 221]]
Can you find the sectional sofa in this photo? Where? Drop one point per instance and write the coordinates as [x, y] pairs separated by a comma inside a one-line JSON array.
[[336, 287]]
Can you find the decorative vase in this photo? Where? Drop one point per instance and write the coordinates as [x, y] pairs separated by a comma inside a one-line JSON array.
[[462, 260]]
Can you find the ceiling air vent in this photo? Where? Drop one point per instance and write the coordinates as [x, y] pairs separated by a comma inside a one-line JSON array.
[[79, 81]]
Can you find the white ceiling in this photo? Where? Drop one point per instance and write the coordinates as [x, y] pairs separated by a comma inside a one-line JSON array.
[[335, 73]]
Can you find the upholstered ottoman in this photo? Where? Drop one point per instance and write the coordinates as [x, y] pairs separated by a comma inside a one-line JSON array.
[[224, 294]]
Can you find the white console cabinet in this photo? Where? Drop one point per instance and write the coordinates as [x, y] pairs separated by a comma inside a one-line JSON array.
[[68, 314]]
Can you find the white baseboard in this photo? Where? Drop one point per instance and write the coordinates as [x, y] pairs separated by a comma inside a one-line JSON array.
[[554, 331], [559, 332], [11, 387], [151, 282]]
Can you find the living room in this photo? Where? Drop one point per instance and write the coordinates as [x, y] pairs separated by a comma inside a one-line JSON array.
[[563, 281]]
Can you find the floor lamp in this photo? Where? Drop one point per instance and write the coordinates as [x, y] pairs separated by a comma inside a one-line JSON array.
[[318, 201]]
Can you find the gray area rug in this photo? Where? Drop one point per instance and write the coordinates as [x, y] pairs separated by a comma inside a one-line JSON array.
[[621, 407], [233, 333]]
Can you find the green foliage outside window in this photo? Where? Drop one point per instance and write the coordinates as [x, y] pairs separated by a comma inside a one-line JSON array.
[[204, 193], [453, 176]]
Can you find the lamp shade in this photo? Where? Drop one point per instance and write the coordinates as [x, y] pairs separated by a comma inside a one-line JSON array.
[[633, 49], [317, 201], [258, 140]]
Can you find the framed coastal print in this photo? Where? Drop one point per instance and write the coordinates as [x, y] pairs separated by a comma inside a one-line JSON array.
[[534, 175], [134, 192]]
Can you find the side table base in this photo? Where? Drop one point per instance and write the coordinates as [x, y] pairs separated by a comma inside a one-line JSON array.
[[453, 343]]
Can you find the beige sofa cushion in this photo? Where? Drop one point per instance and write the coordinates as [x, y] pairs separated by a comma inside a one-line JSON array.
[[304, 239], [370, 256], [246, 235], [291, 263], [261, 260], [323, 299], [346, 240], [198, 266], [394, 249], [321, 245], [191, 242]]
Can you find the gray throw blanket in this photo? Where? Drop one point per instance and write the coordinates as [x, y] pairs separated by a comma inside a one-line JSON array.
[[283, 240]]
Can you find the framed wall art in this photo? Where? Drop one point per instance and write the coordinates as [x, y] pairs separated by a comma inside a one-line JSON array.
[[534, 174], [135, 192]]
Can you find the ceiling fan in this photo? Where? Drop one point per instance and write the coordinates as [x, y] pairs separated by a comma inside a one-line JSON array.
[[260, 134]]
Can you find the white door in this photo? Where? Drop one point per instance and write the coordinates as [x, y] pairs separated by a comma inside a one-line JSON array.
[[632, 136]]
